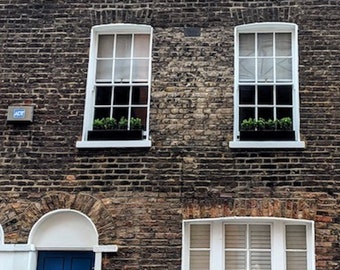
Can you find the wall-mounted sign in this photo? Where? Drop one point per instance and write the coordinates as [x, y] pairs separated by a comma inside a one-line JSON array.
[[18, 114]]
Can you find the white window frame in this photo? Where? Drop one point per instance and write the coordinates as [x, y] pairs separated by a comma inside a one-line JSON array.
[[278, 250], [270, 28], [91, 82]]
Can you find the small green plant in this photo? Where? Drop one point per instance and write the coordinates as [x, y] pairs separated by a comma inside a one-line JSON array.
[[248, 124], [260, 124], [104, 123], [135, 123], [270, 124], [98, 124], [123, 123], [285, 123]]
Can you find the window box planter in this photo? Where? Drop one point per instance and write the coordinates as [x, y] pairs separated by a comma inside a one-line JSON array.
[[267, 135], [115, 135]]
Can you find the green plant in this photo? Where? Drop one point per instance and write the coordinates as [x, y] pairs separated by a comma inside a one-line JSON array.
[[123, 123], [135, 123], [270, 124], [104, 123], [285, 123], [260, 124], [248, 124]]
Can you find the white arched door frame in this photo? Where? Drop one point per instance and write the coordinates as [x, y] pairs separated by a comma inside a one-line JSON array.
[[65, 229]]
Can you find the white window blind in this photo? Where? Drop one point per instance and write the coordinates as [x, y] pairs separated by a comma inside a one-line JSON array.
[[296, 247], [199, 247]]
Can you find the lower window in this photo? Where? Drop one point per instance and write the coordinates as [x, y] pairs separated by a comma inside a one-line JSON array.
[[248, 244]]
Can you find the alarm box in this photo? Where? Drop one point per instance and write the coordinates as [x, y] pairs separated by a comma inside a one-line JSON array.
[[20, 114]]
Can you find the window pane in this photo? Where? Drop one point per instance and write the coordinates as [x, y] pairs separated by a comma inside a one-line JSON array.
[[103, 95], [199, 260], [247, 44], [296, 236], [247, 70], [140, 113], [283, 44], [141, 46], [247, 94], [121, 95], [260, 260], [200, 236], [122, 71], [259, 236], [246, 113], [101, 113], [296, 261], [265, 44], [105, 46], [235, 236], [120, 112], [266, 113], [140, 95], [104, 70], [284, 112], [284, 95], [283, 69], [265, 70], [140, 70], [123, 46], [265, 95], [235, 260]]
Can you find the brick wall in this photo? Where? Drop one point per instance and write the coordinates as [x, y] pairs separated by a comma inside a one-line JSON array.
[[137, 198]]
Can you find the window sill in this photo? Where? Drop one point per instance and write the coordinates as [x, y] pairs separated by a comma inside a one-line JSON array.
[[267, 144], [114, 144]]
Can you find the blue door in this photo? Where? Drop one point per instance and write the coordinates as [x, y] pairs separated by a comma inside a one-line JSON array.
[[65, 260]]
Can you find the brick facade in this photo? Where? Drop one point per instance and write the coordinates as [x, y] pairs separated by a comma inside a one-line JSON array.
[[137, 198]]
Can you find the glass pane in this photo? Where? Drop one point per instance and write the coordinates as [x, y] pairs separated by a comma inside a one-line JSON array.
[[235, 236], [122, 71], [265, 70], [142, 44], [284, 95], [247, 70], [246, 113], [259, 236], [140, 113], [235, 260], [247, 94], [247, 44], [101, 113], [283, 45], [284, 112], [296, 237], [140, 95], [265, 44], [284, 69], [296, 261], [105, 46], [120, 112], [199, 260], [266, 113], [123, 47], [104, 70], [265, 95], [260, 260], [103, 95], [200, 236], [121, 95], [140, 70]]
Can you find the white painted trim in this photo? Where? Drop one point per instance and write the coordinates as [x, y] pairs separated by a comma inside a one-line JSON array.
[[113, 144], [106, 248], [16, 247], [2, 240], [48, 215], [267, 144]]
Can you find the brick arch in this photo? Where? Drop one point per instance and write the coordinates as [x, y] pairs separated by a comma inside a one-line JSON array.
[[266, 207], [85, 203]]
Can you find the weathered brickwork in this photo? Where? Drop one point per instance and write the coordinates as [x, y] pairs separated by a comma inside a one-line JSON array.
[[137, 198]]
